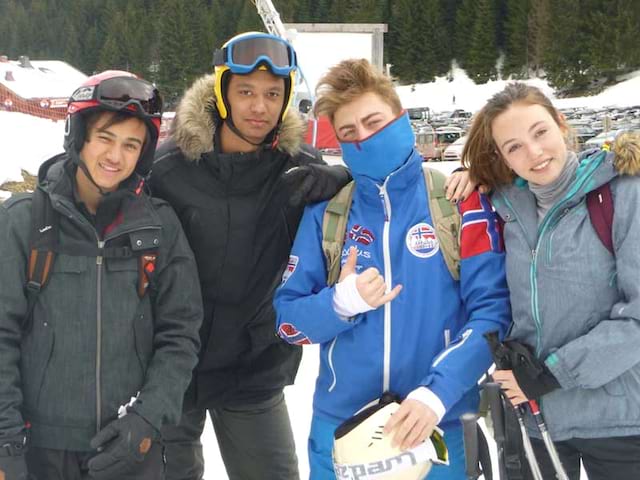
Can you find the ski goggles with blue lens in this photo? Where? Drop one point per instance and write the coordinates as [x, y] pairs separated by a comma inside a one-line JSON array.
[[244, 54]]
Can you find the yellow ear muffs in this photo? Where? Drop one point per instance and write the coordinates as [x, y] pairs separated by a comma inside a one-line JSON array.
[[217, 90], [221, 104], [287, 101]]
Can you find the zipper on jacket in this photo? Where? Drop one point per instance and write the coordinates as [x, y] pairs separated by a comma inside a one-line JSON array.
[[542, 228], [99, 263], [331, 367], [387, 278]]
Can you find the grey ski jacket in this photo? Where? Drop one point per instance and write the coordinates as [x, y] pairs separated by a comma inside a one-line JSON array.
[[576, 304], [94, 343]]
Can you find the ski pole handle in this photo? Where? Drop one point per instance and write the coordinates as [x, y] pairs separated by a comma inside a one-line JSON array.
[[494, 397], [470, 439]]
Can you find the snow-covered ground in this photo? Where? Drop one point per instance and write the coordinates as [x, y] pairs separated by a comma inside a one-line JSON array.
[[25, 142]]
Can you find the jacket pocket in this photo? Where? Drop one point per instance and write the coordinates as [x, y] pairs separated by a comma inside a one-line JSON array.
[[627, 384], [126, 270]]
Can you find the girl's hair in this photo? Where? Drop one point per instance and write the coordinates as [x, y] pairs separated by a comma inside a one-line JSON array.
[[348, 80], [481, 155]]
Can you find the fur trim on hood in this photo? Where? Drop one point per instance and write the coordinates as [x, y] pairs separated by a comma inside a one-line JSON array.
[[195, 122], [627, 149]]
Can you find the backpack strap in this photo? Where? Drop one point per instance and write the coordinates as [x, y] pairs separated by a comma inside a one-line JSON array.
[[445, 217], [43, 244], [446, 220], [600, 206], [334, 227]]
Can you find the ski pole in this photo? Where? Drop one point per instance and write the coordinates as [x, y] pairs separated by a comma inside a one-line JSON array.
[[470, 440], [494, 396], [548, 443], [526, 443]]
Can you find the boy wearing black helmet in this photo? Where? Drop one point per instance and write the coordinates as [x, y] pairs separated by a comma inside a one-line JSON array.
[[237, 174], [100, 305]]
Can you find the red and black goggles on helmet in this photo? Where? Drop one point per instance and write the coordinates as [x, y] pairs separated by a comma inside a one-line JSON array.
[[123, 93]]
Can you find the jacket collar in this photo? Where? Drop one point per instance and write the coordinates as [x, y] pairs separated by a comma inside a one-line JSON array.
[[56, 177], [405, 177], [196, 119]]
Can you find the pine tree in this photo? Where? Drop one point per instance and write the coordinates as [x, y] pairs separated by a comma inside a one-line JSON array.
[[481, 61], [417, 62], [538, 24], [516, 29], [465, 20], [626, 19], [175, 42], [565, 60], [249, 19]]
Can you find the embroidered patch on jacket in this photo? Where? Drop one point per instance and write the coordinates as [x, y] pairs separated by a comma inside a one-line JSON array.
[[291, 267], [480, 227], [360, 234], [291, 334], [421, 240]]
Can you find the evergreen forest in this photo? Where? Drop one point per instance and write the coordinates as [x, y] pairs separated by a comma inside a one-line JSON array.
[[576, 44]]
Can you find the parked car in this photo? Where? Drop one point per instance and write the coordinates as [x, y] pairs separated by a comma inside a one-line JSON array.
[[582, 134], [604, 138], [445, 136], [454, 151], [426, 142]]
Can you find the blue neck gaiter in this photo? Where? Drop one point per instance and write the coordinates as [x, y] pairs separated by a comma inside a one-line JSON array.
[[383, 152]]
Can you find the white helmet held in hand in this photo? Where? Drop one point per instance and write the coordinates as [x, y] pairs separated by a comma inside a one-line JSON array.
[[361, 451]]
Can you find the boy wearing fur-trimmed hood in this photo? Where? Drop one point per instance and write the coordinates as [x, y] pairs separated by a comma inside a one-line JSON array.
[[237, 173]]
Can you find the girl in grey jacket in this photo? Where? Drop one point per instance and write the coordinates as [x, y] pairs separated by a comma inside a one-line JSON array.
[[576, 305]]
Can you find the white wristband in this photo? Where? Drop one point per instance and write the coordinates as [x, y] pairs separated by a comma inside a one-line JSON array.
[[347, 301], [430, 399]]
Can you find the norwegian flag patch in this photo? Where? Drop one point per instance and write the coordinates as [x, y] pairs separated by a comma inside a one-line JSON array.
[[362, 235], [421, 240], [481, 230], [291, 334], [290, 268]]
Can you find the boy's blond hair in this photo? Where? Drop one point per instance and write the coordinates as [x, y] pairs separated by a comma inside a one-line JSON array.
[[347, 81]]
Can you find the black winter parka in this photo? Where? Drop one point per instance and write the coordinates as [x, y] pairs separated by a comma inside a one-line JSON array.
[[235, 212]]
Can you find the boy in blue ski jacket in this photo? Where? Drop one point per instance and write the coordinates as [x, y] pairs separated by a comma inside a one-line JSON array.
[[396, 320]]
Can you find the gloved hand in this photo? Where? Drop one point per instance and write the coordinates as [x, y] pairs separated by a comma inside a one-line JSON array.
[[314, 183], [533, 376], [12, 462], [121, 445]]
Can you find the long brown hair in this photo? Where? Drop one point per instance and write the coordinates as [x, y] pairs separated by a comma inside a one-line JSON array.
[[481, 155]]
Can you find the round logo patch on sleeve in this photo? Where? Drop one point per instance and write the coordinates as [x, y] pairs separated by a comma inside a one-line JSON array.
[[422, 241]]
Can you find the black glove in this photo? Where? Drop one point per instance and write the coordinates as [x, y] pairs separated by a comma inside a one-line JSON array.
[[532, 375], [121, 445], [12, 462], [314, 183]]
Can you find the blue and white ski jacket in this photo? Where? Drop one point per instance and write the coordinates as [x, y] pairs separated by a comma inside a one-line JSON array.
[[431, 334]]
